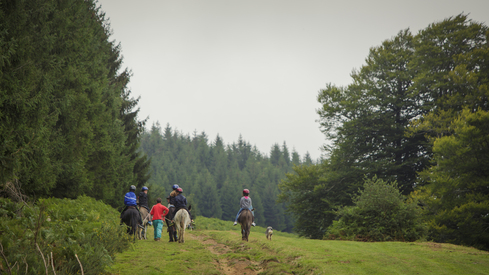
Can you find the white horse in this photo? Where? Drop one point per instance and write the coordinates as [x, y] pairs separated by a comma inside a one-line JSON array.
[[182, 220]]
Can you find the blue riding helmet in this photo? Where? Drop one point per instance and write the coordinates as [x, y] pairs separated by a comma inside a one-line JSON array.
[[144, 188], [175, 186]]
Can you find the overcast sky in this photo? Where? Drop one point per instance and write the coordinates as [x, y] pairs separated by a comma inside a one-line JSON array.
[[255, 67]]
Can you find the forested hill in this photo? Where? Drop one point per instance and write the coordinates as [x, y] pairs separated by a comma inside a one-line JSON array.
[[213, 174]]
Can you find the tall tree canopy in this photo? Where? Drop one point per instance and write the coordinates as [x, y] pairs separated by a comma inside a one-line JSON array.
[[67, 120], [401, 107]]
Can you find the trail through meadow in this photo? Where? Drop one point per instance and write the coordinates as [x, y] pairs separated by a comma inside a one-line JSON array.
[[223, 252]]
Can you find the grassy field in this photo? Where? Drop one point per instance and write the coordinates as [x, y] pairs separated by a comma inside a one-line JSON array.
[[208, 250]]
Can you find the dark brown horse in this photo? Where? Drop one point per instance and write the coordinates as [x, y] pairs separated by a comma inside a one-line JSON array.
[[132, 219], [172, 231], [245, 219]]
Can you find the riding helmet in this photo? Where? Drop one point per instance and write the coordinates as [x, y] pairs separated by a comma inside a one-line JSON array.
[[132, 188], [246, 191], [144, 188], [175, 186], [179, 189]]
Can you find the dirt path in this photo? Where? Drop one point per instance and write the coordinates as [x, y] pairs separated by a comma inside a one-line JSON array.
[[224, 264]]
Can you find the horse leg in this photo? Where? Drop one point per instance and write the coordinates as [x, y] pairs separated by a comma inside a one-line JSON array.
[[170, 233], [183, 234], [247, 231], [243, 236], [179, 234]]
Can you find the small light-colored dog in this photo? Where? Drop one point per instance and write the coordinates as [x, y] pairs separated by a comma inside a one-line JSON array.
[[269, 233]]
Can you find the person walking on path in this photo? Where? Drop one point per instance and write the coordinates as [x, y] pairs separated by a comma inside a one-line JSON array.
[[159, 212]]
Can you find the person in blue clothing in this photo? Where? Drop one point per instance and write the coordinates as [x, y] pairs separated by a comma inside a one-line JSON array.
[[130, 197], [130, 200], [245, 203]]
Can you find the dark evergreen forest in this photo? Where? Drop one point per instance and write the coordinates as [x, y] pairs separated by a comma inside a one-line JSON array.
[[213, 174], [68, 123]]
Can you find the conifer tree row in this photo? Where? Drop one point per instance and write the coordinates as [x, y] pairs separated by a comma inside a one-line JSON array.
[[68, 123], [213, 174]]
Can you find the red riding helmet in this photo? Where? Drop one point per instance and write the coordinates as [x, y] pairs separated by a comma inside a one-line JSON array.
[[246, 191], [179, 189]]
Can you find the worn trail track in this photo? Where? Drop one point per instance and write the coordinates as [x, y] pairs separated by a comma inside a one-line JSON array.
[[225, 264]]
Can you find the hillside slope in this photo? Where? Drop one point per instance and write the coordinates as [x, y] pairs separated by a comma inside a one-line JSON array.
[[209, 251]]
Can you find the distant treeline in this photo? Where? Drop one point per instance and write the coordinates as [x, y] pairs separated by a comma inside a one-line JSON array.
[[213, 174], [417, 113]]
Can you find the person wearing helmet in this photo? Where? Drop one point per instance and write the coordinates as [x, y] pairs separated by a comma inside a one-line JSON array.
[[130, 197], [245, 203], [171, 202], [130, 200], [173, 194], [171, 214], [143, 198], [181, 203]]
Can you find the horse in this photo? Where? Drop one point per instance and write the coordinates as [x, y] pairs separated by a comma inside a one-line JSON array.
[[269, 233], [171, 228], [245, 219], [146, 218], [131, 218], [182, 220]]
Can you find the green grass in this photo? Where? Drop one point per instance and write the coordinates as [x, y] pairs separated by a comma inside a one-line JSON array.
[[287, 253], [151, 257]]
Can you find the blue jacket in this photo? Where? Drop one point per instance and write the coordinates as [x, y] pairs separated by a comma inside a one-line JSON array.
[[180, 202], [130, 199]]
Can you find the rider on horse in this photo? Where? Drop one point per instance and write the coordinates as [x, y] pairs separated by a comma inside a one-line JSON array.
[[143, 199], [171, 202], [181, 203], [245, 203], [130, 200], [173, 194], [171, 206]]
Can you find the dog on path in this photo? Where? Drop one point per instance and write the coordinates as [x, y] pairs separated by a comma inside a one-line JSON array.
[[269, 233]]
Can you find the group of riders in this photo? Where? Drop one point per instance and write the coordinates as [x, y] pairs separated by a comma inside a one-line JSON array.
[[176, 201]]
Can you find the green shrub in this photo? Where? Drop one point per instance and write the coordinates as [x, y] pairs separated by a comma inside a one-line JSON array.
[[380, 213], [62, 228]]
